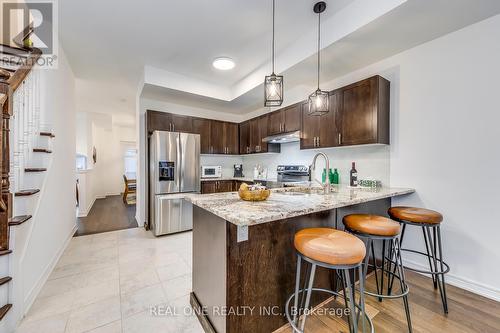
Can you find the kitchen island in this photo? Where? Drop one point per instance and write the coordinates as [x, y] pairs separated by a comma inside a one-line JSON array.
[[243, 254]]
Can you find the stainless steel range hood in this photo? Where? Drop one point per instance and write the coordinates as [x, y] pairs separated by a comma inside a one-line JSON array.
[[283, 137]]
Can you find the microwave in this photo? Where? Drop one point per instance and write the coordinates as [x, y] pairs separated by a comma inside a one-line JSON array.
[[209, 171]]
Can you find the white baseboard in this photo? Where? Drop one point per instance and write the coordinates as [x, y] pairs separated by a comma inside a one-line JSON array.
[[462, 283], [33, 293]]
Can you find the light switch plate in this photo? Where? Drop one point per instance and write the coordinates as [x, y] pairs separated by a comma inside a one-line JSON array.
[[242, 234]]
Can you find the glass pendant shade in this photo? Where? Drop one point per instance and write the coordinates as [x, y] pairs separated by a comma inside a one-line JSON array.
[[318, 103], [273, 90]]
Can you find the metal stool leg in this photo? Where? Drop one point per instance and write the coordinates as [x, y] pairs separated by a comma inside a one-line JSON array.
[[440, 245], [394, 270], [352, 301], [362, 297], [308, 298], [297, 288], [439, 277], [402, 281], [427, 249]]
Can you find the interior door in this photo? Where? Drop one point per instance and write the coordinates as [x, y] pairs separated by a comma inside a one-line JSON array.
[[164, 162], [189, 148]]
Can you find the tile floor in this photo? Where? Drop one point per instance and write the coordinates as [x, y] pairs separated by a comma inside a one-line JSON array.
[[108, 283]]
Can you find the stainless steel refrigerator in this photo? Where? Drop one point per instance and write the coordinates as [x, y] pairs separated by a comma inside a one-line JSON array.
[[174, 163]]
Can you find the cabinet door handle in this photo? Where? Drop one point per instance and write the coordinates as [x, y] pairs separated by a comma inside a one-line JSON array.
[[340, 138], [173, 127], [315, 141], [319, 140]]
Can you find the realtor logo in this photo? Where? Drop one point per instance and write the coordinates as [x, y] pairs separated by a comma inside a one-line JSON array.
[[32, 24]]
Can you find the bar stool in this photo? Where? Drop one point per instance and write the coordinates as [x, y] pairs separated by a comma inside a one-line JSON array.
[[332, 249], [372, 228], [430, 222]]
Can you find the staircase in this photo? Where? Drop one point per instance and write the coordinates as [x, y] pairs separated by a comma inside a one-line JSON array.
[[25, 159]]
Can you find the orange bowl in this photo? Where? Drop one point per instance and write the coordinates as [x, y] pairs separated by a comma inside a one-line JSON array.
[[258, 195]]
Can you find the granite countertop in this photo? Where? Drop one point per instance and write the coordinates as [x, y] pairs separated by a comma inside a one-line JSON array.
[[286, 203]]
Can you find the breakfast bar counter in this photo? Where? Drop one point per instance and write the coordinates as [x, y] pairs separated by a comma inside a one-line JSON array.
[[243, 254]]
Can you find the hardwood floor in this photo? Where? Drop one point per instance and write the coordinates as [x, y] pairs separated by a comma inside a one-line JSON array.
[[467, 312], [108, 214]]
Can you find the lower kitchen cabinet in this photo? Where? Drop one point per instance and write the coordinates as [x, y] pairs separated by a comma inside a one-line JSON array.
[[219, 186]]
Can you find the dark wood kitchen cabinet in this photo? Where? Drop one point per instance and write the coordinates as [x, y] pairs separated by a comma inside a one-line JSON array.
[[208, 187], [217, 137], [245, 137], [258, 131], [320, 131], [285, 120], [230, 138], [359, 114], [219, 186], [203, 128], [364, 115], [164, 121]]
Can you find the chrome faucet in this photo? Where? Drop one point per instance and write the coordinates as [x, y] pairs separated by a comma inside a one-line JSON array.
[[326, 186]]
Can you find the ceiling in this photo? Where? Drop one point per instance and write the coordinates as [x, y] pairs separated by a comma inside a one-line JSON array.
[[114, 45]]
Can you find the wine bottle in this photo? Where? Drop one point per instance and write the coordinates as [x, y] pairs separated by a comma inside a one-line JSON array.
[[354, 175]]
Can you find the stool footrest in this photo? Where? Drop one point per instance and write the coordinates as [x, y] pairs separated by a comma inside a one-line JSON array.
[[447, 267], [334, 293]]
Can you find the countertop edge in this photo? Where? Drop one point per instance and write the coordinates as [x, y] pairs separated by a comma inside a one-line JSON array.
[[394, 192]]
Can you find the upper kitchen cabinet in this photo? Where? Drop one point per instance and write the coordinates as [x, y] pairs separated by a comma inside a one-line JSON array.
[[181, 123], [364, 112], [359, 114], [285, 120], [217, 142], [203, 128], [163, 121], [231, 138], [245, 137]]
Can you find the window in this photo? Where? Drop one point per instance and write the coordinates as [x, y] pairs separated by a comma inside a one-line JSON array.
[[130, 160]]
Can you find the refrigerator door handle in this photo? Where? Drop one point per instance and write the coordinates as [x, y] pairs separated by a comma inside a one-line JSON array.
[[180, 163]]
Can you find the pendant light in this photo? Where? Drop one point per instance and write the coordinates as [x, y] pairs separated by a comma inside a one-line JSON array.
[[273, 84], [318, 100]]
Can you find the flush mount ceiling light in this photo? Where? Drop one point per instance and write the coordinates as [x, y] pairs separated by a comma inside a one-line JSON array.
[[273, 84], [318, 100], [223, 63]]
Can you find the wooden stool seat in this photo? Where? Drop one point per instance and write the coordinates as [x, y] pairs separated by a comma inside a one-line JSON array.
[[330, 246], [372, 225], [415, 215]]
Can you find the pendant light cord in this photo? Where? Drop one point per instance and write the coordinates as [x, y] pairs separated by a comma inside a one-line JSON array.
[[273, 35], [319, 36]]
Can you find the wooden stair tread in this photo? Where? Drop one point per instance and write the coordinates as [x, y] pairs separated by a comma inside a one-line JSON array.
[[35, 169], [17, 220], [4, 309], [4, 280], [49, 134], [24, 193], [42, 150], [5, 252]]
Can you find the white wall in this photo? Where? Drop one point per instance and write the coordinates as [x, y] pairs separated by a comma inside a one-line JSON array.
[[444, 134], [54, 222]]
